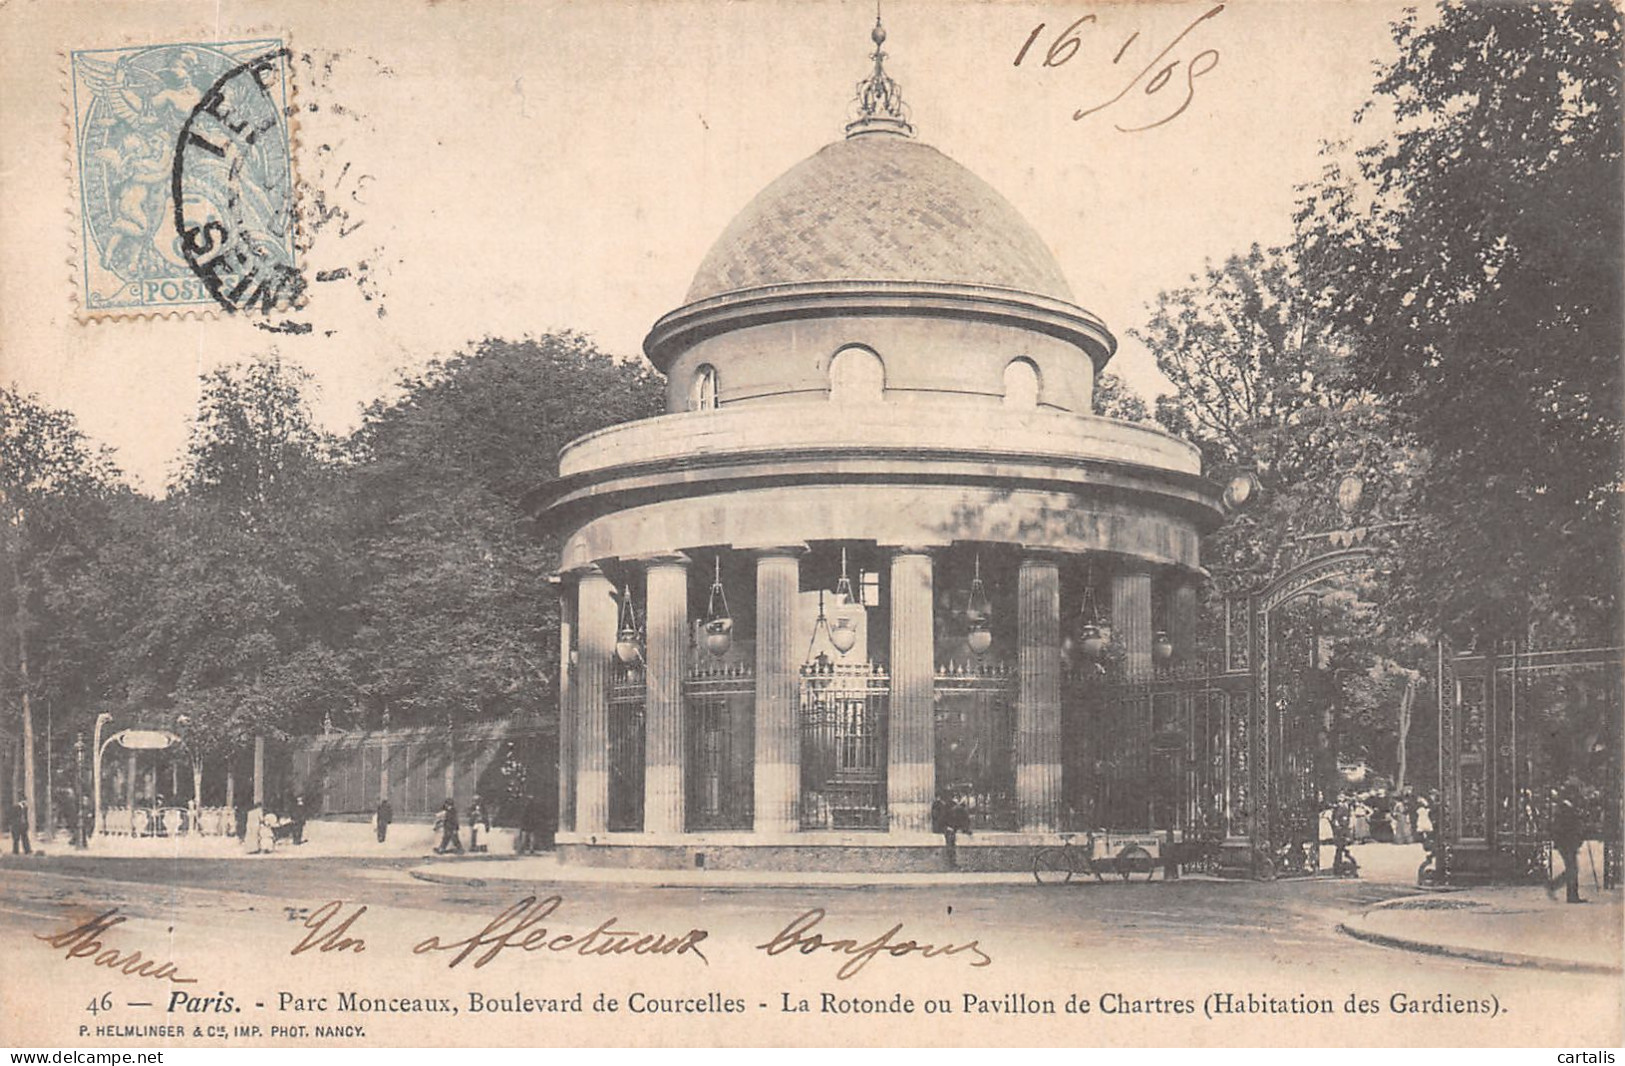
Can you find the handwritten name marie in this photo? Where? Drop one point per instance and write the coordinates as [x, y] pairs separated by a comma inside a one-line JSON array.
[[85, 941]]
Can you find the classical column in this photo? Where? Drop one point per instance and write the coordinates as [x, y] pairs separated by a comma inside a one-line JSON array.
[[1182, 620], [668, 634], [778, 733], [911, 756], [567, 710], [129, 781], [1131, 619], [1038, 708], [597, 617]]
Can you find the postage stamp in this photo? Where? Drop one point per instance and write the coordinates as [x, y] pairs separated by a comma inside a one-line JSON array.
[[184, 187]]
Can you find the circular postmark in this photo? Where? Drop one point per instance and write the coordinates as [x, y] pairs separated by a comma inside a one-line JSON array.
[[234, 192]]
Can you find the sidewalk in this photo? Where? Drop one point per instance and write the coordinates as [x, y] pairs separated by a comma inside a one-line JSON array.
[[547, 869], [323, 839], [1505, 926]]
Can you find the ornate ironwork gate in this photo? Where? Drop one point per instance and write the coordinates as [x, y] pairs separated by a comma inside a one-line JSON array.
[[1164, 752], [626, 696], [1515, 723], [721, 734], [843, 745], [976, 742]]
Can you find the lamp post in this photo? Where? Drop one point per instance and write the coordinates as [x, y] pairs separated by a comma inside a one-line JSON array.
[[383, 763], [79, 790], [96, 772]]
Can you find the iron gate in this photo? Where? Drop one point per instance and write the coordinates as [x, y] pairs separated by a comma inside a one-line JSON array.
[[1515, 724], [843, 745], [626, 763], [720, 701], [976, 742]]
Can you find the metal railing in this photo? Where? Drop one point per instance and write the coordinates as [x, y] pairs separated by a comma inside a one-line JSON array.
[[843, 710]]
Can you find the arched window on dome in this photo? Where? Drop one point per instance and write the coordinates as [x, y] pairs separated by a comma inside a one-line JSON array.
[[1021, 384], [702, 391], [856, 375]]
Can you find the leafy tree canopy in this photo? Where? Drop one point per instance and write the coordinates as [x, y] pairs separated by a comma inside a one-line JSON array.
[[1475, 253]]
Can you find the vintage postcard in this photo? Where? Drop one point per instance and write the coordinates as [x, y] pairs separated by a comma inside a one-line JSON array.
[[807, 523]]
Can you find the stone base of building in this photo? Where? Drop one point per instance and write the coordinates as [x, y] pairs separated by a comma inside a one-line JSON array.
[[811, 851]]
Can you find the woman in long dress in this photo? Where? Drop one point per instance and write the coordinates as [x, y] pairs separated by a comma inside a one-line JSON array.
[[1400, 819], [251, 829]]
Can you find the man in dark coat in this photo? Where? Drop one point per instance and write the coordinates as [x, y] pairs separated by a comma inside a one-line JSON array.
[[527, 826], [1342, 834], [450, 839], [1567, 831], [386, 814], [299, 814], [19, 828]]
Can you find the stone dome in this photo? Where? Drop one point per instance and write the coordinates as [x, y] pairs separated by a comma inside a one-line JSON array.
[[879, 207]]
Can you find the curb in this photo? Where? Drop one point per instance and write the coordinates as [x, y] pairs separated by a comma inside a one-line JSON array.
[[437, 879], [1493, 958], [785, 881]]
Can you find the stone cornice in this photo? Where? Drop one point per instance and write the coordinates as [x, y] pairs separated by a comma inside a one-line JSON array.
[[714, 315]]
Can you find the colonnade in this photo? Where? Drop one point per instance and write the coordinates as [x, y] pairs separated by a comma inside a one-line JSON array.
[[588, 633]]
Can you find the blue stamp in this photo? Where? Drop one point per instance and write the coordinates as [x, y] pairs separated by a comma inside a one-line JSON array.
[[184, 165]]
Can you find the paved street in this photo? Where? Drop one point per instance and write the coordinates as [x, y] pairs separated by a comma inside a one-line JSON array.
[[1148, 959]]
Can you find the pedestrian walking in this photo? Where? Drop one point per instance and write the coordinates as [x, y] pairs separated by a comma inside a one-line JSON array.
[[382, 818], [526, 843], [1400, 818], [1567, 831], [1424, 822], [478, 821], [1342, 831], [298, 816], [450, 835], [19, 828]]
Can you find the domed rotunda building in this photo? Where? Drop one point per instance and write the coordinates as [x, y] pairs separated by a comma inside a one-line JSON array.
[[829, 600]]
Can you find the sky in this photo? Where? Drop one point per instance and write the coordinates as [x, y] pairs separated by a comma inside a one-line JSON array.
[[472, 168]]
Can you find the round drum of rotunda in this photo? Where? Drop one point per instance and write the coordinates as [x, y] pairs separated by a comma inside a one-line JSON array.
[[827, 606]]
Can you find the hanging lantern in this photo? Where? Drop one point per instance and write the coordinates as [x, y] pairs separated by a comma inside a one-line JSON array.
[[1241, 489], [1162, 648], [1091, 639], [979, 612], [719, 623], [822, 623], [629, 637], [843, 634], [843, 629], [1349, 491]]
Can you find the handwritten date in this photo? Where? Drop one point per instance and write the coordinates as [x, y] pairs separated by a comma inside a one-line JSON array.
[[1152, 77]]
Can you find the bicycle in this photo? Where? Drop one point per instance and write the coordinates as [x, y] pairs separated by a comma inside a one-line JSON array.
[[1057, 865]]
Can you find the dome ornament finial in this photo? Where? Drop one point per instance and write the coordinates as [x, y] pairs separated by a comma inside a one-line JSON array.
[[879, 97]]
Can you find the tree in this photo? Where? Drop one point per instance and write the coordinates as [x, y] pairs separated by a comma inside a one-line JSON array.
[[249, 582], [1116, 398], [1264, 388], [1475, 254], [454, 614], [54, 487]]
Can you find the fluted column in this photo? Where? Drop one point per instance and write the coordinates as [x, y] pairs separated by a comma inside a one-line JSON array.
[[667, 599], [1038, 709], [567, 710], [1182, 620], [778, 736], [1131, 619], [911, 757], [596, 617]]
